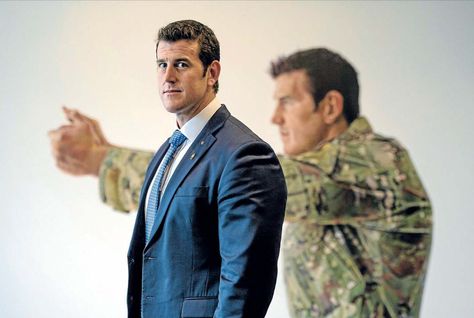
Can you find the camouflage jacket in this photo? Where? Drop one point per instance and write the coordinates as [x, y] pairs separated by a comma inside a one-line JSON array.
[[121, 177], [358, 231]]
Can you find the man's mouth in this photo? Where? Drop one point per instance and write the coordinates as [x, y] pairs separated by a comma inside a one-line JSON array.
[[172, 91]]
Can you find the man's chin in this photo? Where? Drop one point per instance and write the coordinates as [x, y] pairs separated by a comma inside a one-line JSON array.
[[292, 151], [172, 108], [288, 151]]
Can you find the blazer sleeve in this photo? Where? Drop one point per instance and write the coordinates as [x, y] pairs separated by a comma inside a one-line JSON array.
[[251, 204]]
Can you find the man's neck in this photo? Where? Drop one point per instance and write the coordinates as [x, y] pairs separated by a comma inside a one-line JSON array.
[[183, 118], [339, 127]]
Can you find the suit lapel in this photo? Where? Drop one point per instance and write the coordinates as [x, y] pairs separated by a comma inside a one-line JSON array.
[[198, 149]]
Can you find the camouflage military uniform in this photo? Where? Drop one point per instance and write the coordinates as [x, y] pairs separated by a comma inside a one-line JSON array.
[[359, 224], [121, 177], [359, 229]]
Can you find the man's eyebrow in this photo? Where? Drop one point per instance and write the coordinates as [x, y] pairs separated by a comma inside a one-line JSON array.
[[283, 97], [180, 59], [183, 59]]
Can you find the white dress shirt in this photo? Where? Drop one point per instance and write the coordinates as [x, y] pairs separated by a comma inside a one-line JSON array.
[[191, 130]]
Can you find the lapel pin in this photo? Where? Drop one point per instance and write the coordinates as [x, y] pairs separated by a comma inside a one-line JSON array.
[[193, 155], [202, 142]]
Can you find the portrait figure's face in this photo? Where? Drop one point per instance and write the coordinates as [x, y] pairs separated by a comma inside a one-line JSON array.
[[299, 120], [184, 87]]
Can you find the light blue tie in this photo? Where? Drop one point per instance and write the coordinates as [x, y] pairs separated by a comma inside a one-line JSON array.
[[175, 141]]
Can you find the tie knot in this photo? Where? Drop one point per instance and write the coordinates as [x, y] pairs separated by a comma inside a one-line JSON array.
[[177, 138]]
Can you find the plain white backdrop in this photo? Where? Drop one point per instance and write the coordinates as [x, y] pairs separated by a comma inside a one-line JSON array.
[[63, 253]]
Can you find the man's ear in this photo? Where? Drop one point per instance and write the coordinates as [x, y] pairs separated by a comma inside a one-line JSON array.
[[214, 69], [333, 106]]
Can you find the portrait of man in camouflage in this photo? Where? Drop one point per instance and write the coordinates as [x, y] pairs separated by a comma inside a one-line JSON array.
[[359, 225], [358, 230]]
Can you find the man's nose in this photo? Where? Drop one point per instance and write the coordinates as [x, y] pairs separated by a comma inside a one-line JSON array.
[[170, 74], [277, 117]]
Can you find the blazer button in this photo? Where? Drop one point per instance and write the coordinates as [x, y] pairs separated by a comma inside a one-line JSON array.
[[131, 261]]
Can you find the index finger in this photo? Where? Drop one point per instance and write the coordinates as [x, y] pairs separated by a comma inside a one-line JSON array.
[[73, 115]]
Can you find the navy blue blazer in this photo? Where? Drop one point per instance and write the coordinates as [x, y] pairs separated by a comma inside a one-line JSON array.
[[214, 245]]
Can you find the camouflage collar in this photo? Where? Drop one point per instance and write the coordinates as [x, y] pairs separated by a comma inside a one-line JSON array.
[[326, 154], [360, 126]]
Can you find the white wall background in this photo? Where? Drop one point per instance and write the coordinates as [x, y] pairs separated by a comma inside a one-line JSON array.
[[63, 254]]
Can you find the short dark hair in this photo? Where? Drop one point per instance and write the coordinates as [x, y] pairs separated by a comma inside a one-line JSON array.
[[209, 49], [326, 71]]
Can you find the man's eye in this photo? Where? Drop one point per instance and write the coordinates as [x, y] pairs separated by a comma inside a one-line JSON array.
[[181, 65], [286, 102], [162, 65]]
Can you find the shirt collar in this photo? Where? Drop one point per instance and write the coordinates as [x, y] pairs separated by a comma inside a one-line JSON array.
[[193, 127]]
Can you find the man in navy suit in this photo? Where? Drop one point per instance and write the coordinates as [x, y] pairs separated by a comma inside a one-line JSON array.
[[214, 242]]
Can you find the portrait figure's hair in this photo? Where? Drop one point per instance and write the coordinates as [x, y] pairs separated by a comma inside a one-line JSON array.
[[326, 71], [209, 49]]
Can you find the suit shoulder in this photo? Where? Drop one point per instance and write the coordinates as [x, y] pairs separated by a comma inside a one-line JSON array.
[[235, 137], [239, 132]]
